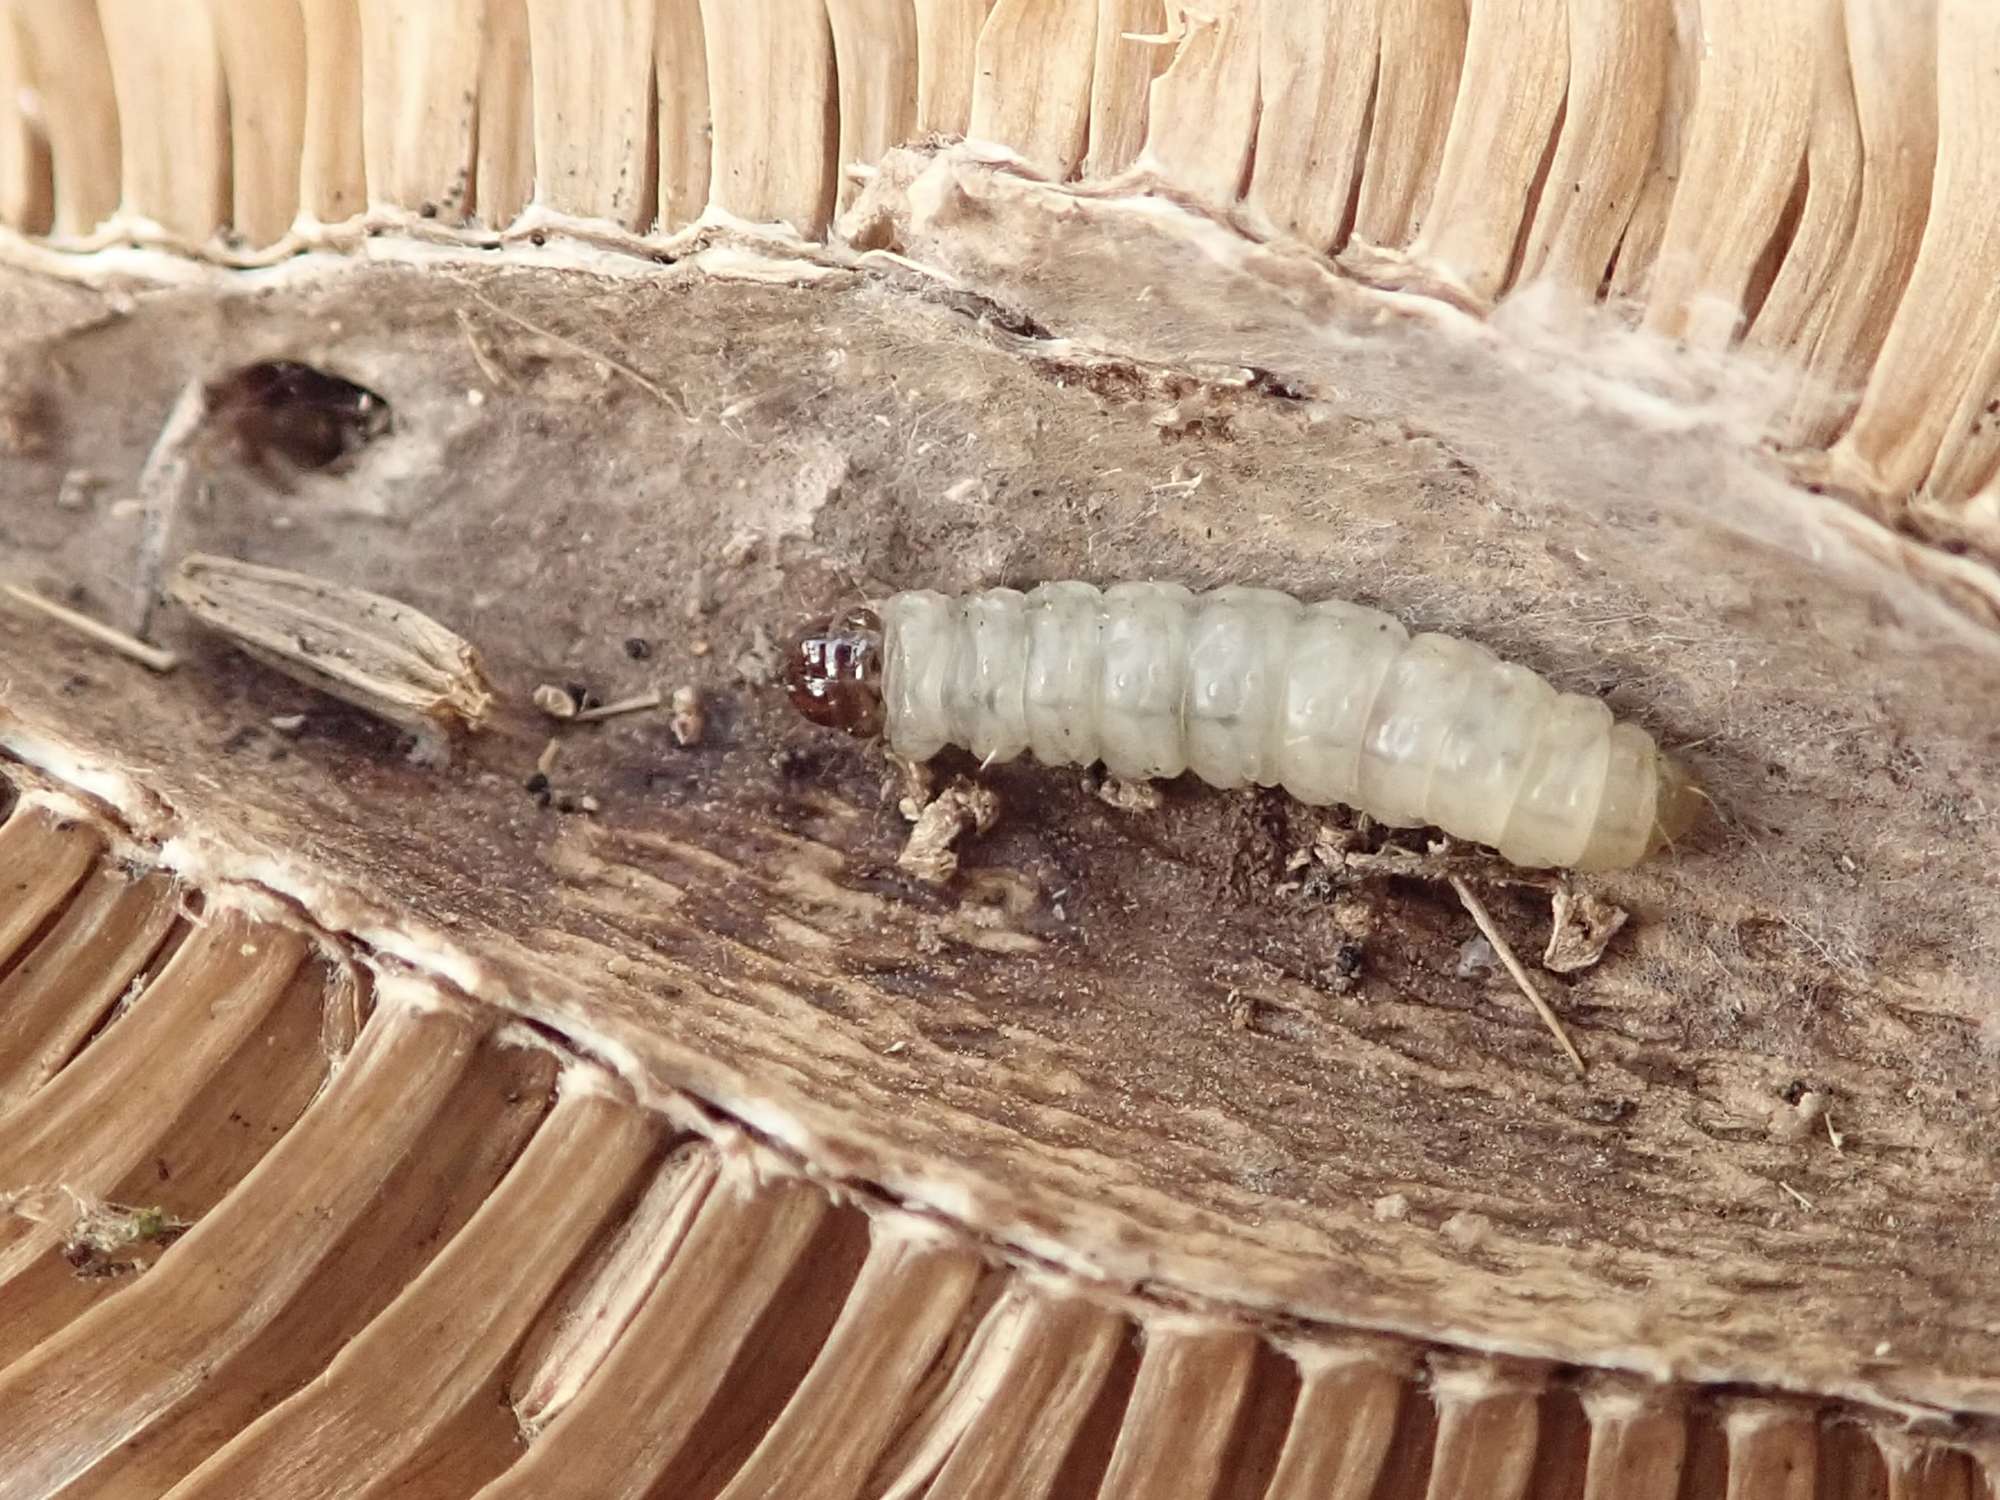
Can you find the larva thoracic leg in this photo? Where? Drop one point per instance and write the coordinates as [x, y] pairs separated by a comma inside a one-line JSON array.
[[1334, 701]]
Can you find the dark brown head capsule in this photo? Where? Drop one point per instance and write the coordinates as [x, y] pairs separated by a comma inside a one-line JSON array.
[[834, 673]]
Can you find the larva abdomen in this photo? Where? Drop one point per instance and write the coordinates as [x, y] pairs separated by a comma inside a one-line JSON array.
[[1334, 701]]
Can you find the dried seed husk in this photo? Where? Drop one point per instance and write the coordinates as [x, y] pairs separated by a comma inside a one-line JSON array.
[[366, 649]]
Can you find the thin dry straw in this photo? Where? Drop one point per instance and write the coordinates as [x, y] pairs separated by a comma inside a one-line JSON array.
[[1483, 919], [155, 657]]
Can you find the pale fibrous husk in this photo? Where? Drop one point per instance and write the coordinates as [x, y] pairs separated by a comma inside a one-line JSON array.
[[362, 648]]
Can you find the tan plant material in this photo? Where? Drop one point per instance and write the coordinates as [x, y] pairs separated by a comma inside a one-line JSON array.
[[1031, 82], [1131, 51], [912, 783], [1488, 1412], [154, 657], [789, 175], [1505, 952], [375, 652], [680, 63], [108, 1239], [875, 63], [604, 1267], [638, 703], [166, 65], [688, 721], [504, 170], [1591, 513], [1580, 926], [77, 491], [99, 1238], [1801, 1118], [1346, 1086], [1129, 796], [165, 483], [593, 106], [556, 702], [1739, 172], [963, 807]]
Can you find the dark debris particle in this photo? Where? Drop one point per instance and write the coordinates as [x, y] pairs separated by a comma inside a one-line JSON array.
[[638, 647], [582, 696], [94, 1269], [1612, 1110], [1269, 383]]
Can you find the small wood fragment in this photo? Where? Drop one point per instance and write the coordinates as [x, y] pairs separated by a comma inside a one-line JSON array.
[[1484, 920], [638, 703], [689, 723], [913, 785], [1580, 927], [1800, 1120], [554, 701], [164, 485], [960, 808], [1129, 796], [78, 489], [154, 657]]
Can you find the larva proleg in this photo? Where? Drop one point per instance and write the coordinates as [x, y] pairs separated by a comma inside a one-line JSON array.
[[1244, 686]]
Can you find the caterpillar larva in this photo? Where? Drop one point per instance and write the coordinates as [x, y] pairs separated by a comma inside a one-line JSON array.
[[1334, 701]]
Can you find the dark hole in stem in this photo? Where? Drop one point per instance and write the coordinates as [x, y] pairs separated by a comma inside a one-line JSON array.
[[283, 414]]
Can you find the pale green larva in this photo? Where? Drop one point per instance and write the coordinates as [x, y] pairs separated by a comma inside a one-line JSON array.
[[1333, 701]]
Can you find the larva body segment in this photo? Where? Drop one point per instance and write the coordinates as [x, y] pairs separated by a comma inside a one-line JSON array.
[[1334, 701]]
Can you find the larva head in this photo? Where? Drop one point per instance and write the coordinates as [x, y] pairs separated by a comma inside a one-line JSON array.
[[834, 673], [1678, 805]]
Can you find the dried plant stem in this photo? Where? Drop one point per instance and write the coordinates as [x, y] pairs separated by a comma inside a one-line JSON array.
[[155, 657], [1483, 919], [163, 485], [652, 387], [639, 703]]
